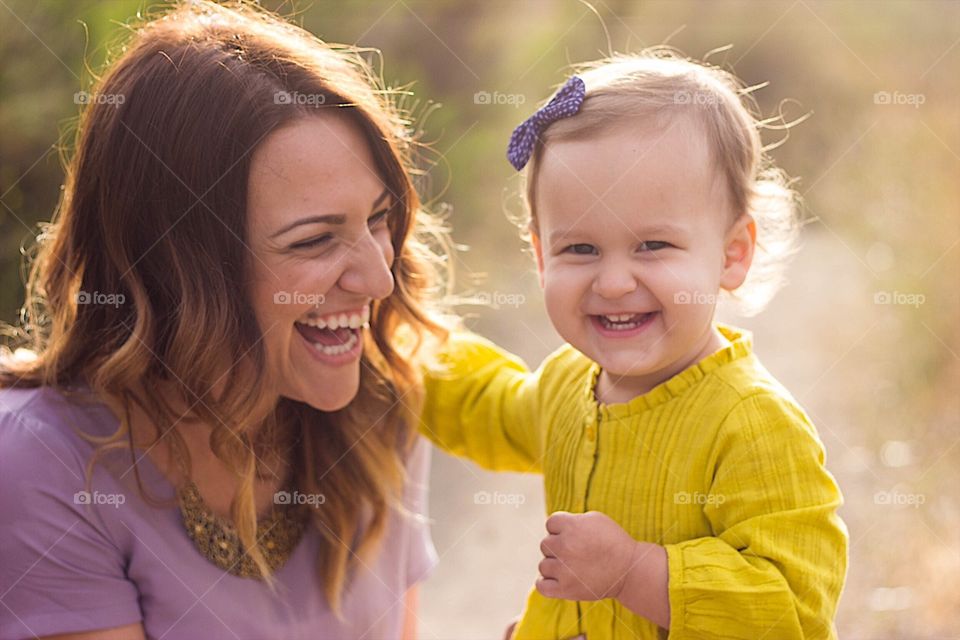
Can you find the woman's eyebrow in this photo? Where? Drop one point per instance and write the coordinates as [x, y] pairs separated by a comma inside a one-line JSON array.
[[332, 218]]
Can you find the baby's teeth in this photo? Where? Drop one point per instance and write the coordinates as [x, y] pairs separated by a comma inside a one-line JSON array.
[[366, 316], [354, 322], [343, 320]]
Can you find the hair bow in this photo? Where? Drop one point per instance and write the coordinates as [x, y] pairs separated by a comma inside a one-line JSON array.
[[563, 105]]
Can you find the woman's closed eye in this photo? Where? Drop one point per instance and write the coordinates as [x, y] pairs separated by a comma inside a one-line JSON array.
[[377, 220], [319, 241]]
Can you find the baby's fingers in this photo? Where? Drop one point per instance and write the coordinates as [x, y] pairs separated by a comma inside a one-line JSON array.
[[550, 568], [549, 587], [550, 546]]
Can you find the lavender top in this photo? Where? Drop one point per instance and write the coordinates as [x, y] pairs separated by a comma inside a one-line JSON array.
[[66, 566]]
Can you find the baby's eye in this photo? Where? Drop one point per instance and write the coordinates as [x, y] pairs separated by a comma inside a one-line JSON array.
[[581, 249], [654, 245]]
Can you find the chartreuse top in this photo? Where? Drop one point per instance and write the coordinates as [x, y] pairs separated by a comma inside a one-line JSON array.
[[718, 464]]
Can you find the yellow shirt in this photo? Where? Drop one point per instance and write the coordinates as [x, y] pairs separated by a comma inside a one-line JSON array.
[[718, 464]]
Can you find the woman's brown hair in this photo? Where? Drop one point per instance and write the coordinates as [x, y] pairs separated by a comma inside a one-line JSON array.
[[153, 215]]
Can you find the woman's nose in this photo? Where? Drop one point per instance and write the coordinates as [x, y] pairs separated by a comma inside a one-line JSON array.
[[614, 280], [368, 269]]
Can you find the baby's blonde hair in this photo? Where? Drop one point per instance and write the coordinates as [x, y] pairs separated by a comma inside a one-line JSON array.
[[662, 84]]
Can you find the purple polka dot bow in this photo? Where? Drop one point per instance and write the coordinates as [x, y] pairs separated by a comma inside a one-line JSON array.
[[563, 105]]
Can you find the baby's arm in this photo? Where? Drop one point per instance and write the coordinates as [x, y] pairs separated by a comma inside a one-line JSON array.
[[778, 556], [481, 403]]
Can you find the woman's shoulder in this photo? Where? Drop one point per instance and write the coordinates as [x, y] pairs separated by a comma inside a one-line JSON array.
[[46, 448], [42, 422]]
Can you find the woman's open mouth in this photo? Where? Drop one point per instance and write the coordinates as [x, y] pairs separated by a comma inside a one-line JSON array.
[[335, 338]]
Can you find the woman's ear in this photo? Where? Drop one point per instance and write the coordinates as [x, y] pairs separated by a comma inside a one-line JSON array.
[[739, 244], [538, 252]]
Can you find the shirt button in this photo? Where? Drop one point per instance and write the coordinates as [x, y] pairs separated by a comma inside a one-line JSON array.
[[591, 434]]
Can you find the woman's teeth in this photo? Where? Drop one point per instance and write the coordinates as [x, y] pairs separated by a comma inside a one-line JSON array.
[[337, 349], [623, 321], [342, 320]]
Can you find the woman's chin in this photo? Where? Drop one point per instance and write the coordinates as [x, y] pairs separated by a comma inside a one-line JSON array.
[[330, 404], [332, 399], [327, 398]]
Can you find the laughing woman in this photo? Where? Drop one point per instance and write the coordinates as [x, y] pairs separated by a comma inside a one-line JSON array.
[[207, 429]]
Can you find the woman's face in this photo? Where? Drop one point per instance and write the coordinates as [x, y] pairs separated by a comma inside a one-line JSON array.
[[317, 216]]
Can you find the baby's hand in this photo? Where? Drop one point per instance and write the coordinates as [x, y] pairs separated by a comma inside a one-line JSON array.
[[586, 557]]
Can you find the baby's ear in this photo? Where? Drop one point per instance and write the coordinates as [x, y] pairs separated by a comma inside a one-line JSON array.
[[739, 244], [538, 252]]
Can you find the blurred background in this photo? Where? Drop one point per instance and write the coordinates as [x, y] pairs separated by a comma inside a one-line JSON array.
[[865, 335]]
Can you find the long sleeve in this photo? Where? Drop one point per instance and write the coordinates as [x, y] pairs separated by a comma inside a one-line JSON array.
[[481, 403], [776, 564]]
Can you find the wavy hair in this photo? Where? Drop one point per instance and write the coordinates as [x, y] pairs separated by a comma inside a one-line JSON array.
[[154, 189]]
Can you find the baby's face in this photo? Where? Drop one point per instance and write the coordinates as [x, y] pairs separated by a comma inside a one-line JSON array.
[[634, 243]]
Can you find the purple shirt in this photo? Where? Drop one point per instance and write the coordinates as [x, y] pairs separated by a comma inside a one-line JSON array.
[[70, 564]]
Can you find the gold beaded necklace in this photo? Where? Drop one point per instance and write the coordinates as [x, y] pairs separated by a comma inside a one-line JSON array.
[[278, 534]]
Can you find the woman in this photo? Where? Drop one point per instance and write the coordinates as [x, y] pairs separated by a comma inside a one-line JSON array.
[[210, 433]]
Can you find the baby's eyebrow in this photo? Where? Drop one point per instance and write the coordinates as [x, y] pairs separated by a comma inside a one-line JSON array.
[[660, 228]]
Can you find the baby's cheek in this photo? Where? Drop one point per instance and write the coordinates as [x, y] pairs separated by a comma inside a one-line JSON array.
[[563, 309]]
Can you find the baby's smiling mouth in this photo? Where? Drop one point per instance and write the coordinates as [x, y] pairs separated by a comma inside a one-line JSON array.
[[623, 321]]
